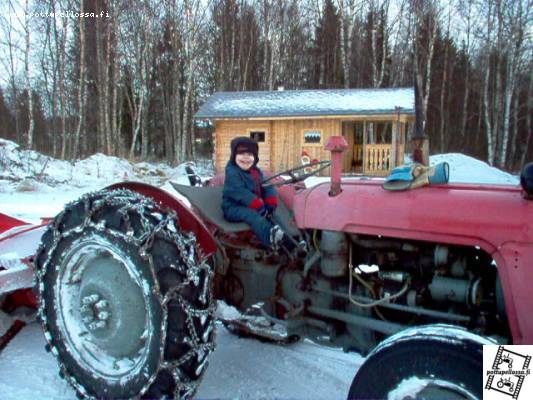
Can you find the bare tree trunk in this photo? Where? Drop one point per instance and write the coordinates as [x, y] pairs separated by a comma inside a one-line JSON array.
[[444, 85], [514, 47], [231, 76], [273, 52], [498, 99], [423, 78], [100, 84], [514, 135], [81, 90], [373, 32], [138, 108], [8, 30], [238, 83], [428, 67], [62, 94], [175, 93], [467, 73], [48, 64], [107, 108], [193, 132], [31, 120], [488, 125], [116, 109], [266, 33], [509, 89], [144, 104], [191, 69], [247, 64], [343, 43], [529, 110]]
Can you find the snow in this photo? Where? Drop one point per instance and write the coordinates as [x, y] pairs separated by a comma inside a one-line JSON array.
[[463, 169], [410, 388], [239, 368], [34, 186]]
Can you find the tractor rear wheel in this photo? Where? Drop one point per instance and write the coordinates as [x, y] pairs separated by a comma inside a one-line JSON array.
[[430, 362], [125, 298]]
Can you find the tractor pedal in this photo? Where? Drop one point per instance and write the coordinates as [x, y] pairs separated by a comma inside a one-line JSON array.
[[259, 328]]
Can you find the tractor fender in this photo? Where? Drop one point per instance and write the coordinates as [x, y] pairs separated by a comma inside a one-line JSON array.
[[189, 220], [513, 260]]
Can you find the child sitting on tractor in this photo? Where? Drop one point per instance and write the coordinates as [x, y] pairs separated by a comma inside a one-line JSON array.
[[245, 200]]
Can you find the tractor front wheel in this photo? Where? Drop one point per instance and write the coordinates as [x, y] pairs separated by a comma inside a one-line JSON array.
[[430, 362], [125, 298]]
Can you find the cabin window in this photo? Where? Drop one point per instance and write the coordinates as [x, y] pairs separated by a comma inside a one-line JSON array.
[[258, 136], [312, 137]]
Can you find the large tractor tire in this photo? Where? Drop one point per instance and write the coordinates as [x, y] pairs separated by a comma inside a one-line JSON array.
[[125, 298], [430, 362]]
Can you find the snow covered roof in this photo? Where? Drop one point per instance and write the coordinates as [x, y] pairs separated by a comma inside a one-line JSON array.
[[298, 103]]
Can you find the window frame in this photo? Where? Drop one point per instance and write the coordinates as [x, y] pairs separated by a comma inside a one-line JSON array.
[[321, 131], [264, 131]]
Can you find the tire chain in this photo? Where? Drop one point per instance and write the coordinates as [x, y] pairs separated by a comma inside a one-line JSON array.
[[195, 263]]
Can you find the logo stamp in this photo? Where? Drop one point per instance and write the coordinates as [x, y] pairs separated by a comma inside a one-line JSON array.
[[508, 372]]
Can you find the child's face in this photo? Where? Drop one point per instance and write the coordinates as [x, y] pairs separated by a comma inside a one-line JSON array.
[[244, 160]]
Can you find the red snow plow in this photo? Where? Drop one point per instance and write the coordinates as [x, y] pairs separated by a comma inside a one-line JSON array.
[[127, 277]]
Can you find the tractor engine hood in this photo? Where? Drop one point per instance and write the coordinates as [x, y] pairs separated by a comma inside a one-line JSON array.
[[478, 215], [496, 219]]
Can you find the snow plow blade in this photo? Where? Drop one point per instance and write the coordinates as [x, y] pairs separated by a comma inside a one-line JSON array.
[[18, 245]]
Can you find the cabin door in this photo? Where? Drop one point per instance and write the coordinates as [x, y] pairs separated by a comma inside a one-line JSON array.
[[353, 157]]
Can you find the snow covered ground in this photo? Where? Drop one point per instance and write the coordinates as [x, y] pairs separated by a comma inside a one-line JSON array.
[[238, 369], [34, 186]]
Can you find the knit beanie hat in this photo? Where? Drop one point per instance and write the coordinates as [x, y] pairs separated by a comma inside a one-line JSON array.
[[244, 144]]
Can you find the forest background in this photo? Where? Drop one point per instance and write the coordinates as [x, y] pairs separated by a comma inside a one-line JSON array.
[[125, 77]]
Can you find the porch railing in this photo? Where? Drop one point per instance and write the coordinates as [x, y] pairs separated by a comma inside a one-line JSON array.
[[377, 159], [358, 154]]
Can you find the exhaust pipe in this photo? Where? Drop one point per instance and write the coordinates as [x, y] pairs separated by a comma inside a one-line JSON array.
[[337, 145]]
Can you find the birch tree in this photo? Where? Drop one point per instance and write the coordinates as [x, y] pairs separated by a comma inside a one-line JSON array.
[[27, 74], [10, 42], [529, 111], [514, 22], [426, 24], [379, 15], [465, 8], [195, 16], [82, 92]]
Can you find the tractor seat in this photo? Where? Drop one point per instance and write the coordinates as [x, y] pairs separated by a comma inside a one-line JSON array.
[[208, 201]]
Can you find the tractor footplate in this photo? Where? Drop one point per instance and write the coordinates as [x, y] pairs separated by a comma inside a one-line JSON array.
[[260, 328]]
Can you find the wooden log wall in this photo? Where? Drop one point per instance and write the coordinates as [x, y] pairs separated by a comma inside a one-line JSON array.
[[226, 130], [284, 141], [288, 143]]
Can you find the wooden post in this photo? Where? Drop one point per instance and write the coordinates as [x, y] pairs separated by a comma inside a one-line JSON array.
[[364, 148], [394, 140]]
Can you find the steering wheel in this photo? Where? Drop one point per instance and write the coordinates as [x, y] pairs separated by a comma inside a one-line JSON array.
[[296, 174]]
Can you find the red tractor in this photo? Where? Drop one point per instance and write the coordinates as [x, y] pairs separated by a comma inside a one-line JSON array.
[[127, 279]]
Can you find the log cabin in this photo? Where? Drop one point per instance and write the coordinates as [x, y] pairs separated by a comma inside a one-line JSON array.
[[290, 123]]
